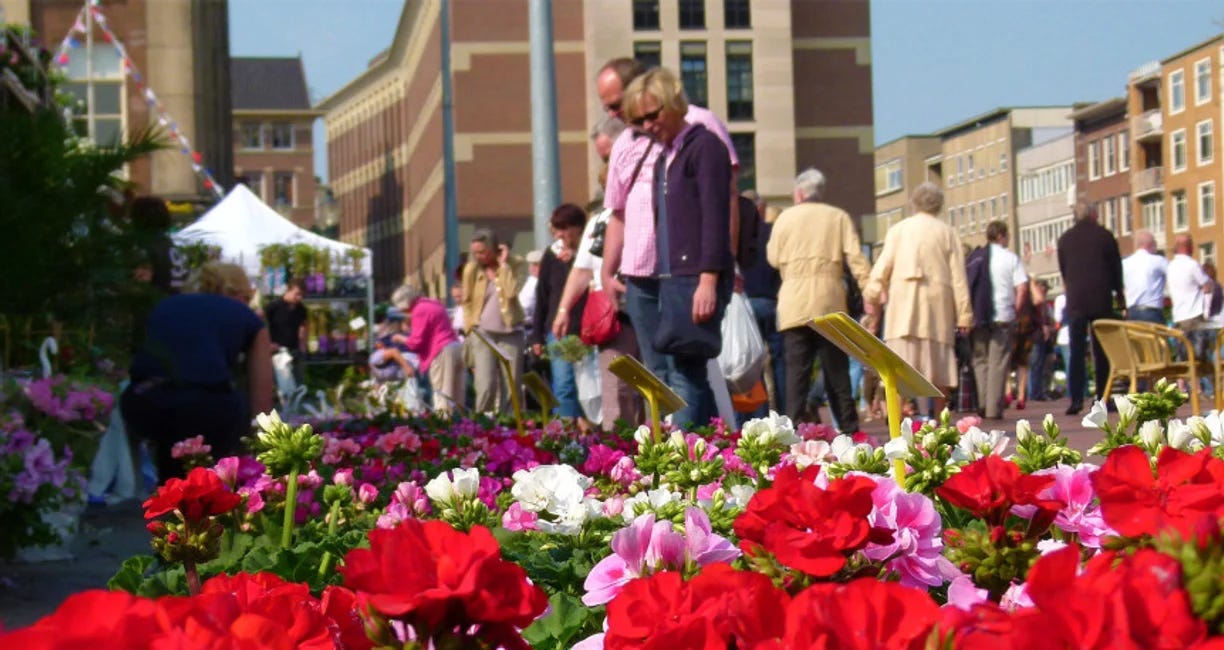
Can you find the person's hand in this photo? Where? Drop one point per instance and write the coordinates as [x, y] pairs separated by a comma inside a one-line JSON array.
[[614, 287], [869, 308], [503, 254], [738, 285], [963, 331], [561, 324], [537, 349], [566, 254], [275, 348], [704, 299]]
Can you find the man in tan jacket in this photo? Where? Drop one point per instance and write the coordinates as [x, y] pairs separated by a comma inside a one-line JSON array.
[[811, 246], [492, 281]]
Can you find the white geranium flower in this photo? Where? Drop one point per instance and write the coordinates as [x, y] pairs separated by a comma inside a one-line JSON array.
[[269, 421], [1126, 409], [554, 489], [907, 429], [570, 522], [896, 449], [655, 499], [1215, 429], [1024, 431], [1181, 435], [846, 452], [463, 484], [643, 435], [773, 430], [1047, 421], [1152, 434], [976, 443], [811, 452], [739, 495], [1096, 416], [676, 440]]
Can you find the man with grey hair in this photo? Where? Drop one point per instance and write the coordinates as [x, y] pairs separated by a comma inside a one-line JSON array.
[[1091, 267], [1143, 276], [811, 245]]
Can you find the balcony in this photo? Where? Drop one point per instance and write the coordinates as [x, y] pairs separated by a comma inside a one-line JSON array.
[[1147, 181], [1145, 74], [1148, 126]]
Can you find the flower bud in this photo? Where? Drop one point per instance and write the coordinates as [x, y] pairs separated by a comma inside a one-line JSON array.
[[1024, 432]]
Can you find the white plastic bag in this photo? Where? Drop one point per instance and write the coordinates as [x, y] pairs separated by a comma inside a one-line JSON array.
[[590, 388], [409, 396], [742, 359], [282, 368], [722, 392]]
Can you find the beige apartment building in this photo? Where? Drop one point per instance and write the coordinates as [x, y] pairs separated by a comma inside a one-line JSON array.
[[900, 166], [977, 165], [1045, 195], [1176, 108], [767, 67]]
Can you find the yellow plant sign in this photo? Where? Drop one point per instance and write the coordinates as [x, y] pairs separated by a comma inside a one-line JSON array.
[[660, 398]]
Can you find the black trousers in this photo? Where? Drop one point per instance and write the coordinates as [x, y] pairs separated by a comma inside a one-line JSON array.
[[165, 415], [802, 345], [1077, 371]]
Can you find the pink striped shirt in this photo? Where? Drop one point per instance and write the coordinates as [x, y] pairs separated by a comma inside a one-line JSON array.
[[639, 254]]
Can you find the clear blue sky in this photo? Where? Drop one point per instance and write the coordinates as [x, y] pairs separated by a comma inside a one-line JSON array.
[[935, 62]]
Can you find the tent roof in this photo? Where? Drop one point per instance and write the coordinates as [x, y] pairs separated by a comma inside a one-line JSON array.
[[241, 224]]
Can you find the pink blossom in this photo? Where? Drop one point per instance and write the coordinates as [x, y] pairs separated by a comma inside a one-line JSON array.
[[625, 471], [614, 506], [412, 496], [1082, 514], [1016, 597], [968, 422], [916, 552], [343, 477], [395, 513], [309, 481], [190, 447], [646, 546], [254, 499], [367, 493], [487, 492], [600, 460], [593, 642], [336, 449], [516, 519], [816, 431], [963, 594]]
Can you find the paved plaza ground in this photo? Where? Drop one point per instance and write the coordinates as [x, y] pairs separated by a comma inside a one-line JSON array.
[[110, 535]]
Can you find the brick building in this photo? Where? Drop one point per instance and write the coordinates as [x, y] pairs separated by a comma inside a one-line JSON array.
[[766, 67], [1102, 167], [182, 58], [273, 134]]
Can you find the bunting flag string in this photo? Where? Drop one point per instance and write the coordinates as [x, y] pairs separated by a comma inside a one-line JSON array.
[[164, 120]]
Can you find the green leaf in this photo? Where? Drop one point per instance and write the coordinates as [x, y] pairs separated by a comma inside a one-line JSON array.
[[569, 622], [131, 574]]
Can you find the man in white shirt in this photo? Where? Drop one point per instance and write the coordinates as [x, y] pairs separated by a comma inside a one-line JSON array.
[[993, 342], [1188, 287], [1143, 275]]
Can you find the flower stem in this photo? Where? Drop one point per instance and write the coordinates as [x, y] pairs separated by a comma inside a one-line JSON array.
[[291, 488], [333, 519], [193, 577]]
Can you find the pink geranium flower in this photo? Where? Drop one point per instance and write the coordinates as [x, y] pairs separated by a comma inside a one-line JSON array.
[[516, 519], [1082, 513], [646, 546], [916, 550]]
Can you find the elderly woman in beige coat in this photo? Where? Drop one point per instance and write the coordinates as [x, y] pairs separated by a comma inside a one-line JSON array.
[[921, 275]]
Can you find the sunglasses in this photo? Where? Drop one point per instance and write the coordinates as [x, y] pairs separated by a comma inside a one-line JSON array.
[[613, 107], [652, 116]]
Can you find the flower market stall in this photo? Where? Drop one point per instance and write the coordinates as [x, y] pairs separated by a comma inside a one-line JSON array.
[[339, 290]]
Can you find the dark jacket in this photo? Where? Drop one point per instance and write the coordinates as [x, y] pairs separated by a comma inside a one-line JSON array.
[[760, 279], [549, 285], [1091, 267], [698, 196]]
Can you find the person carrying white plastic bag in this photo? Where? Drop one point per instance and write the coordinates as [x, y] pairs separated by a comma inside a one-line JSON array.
[[590, 388], [742, 359]]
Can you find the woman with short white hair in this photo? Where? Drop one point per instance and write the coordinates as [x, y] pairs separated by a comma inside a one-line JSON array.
[[433, 340]]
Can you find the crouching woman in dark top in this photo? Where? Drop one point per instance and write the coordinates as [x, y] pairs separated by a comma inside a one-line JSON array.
[[183, 374]]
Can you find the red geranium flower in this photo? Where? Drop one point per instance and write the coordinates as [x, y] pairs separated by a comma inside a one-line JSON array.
[[865, 613], [990, 486], [660, 612], [202, 494], [438, 578], [983, 627], [807, 528], [97, 618], [746, 607], [1186, 487]]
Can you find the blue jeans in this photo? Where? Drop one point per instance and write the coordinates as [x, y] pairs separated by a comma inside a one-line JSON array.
[[1037, 370], [564, 387], [766, 312], [856, 382], [1146, 315], [687, 376]]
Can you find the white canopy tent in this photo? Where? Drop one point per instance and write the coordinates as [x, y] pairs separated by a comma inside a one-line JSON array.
[[241, 224]]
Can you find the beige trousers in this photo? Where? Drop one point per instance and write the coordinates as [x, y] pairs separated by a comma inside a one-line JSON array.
[[492, 392], [448, 377]]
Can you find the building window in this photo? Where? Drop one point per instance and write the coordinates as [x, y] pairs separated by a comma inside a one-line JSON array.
[[252, 136], [1177, 142], [739, 80], [1181, 213], [970, 168], [1109, 215], [692, 14], [960, 170], [648, 53], [1124, 151], [1003, 162], [745, 150], [645, 14], [1153, 216], [888, 177], [1202, 82], [1124, 213], [693, 72], [1111, 156], [1206, 203], [254, 182], [1177, 91], [737, 14], [994, 207], [281, 135], [1206, 143], [1207, 253], [1094, 160], [282, 189], [97, 70]]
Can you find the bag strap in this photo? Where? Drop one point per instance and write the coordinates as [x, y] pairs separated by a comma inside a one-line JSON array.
[[638, 168]]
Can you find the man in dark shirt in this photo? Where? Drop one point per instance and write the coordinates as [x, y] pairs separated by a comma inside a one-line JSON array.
[[761, 283], [1091, 267], [286, 318]]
